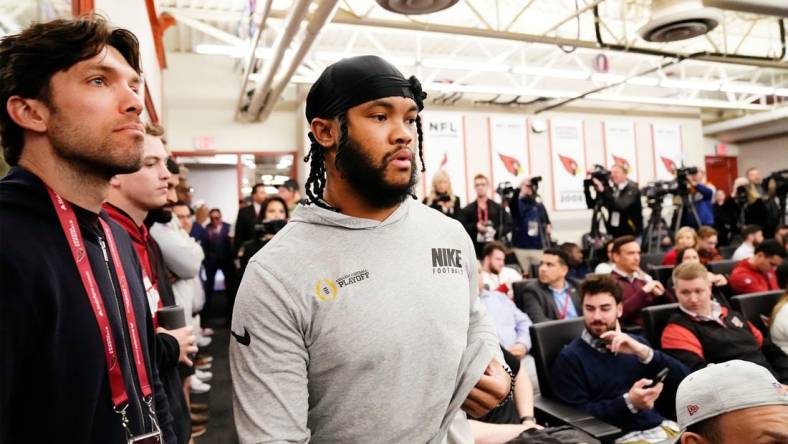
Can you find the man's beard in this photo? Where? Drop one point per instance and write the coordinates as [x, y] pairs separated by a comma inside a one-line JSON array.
[[608, 327], [368, 179], [75, 144], [159, 215]]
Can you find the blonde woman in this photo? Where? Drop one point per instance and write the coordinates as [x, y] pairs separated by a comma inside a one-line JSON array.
[[441, 196], [686, 237], [778, 327]]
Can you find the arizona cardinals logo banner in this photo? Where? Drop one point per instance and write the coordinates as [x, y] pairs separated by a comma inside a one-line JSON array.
[[444, 149], [509, 149], [566, 137], [667, 149], [620, 146]]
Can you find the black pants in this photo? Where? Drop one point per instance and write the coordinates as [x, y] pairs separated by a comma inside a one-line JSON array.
[[230, 284]]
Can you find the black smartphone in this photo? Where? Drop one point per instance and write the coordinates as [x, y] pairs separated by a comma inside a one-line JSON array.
[[659, 378]]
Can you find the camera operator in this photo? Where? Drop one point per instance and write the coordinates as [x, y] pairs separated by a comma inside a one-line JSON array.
[[531, 224], [484, 219], [761, 207], [274, 213], [442, 198], [701, 196], [728, 216], [621, 197]]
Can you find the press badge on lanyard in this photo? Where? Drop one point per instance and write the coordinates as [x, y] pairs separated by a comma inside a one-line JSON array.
[[533, 228], [615, 219], [120, 399]]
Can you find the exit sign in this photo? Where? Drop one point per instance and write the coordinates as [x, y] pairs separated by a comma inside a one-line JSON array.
[[204, 142]]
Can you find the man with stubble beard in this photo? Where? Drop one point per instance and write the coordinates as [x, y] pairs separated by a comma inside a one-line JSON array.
[[358, 321], [76, 334], [607, 373]]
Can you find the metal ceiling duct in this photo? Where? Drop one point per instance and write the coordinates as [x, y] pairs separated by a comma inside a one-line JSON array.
[[414, 7], [673, 20]]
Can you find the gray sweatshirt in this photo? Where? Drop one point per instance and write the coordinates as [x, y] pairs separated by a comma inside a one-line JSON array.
[[351, 330]]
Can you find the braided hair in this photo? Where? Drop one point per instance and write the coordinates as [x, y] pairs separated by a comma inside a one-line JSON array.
[[316, 182]]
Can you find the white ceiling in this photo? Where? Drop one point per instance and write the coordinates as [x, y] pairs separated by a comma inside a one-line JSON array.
[[534, 54], [505, 51]]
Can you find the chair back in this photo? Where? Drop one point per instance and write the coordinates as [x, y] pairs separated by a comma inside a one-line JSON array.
[[727, 251], [651, 259], [655, 318], [547, 339], [753, 305], [722, 267], [661, 273]]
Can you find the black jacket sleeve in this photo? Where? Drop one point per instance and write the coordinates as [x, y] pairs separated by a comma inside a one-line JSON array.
[[162, 405], [19, 328], [528, 302], [587, 185], [168, 351]]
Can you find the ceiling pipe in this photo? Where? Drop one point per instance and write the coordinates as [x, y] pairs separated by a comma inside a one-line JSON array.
[[292, 24], [218, 34], [252, 57], [321, 16]]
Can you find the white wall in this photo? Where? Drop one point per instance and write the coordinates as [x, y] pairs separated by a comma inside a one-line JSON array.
[[201, 94], [767, 155], [215, 185], [133, 15]]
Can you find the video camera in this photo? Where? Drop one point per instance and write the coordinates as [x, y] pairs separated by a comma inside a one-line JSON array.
[[658, 189], [505, 190], [269, 227], [601, 174]]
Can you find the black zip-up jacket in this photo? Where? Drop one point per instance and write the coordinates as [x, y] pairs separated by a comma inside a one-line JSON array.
[[53, 374]]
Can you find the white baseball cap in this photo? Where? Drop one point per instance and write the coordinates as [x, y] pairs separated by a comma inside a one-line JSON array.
[[726, 387]]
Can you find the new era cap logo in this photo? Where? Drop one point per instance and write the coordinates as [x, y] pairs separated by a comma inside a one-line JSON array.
[[692, 409]]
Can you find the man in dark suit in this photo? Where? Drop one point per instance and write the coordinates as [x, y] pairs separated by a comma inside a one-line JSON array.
[[552, 296], [484, 219], [219, 256], [248, 217]]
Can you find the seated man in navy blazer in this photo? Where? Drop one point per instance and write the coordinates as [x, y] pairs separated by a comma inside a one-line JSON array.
[[552, 296]]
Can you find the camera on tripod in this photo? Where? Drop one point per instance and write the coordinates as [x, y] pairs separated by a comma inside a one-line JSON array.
[[505, 190], [658, 189], [601, 174]]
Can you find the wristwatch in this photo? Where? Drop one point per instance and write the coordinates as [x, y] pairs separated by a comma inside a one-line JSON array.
[[527, 418]]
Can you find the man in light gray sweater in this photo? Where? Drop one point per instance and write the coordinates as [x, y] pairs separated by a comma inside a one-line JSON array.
[[358, 322]]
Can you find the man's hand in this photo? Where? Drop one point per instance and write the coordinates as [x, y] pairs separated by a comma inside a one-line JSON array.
[[654, 286], [643, 398], [620, 342], [518, 350], [481, 227], [186, 341], [598, 185], [718, 280], [201, 214], [491, 389]]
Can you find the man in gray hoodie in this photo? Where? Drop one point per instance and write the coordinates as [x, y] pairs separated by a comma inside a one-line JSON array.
[[358, 322]]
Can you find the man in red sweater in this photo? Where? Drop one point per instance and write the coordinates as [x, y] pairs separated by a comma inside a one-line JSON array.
[[131, 198], [758, 273], [638, 288]]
